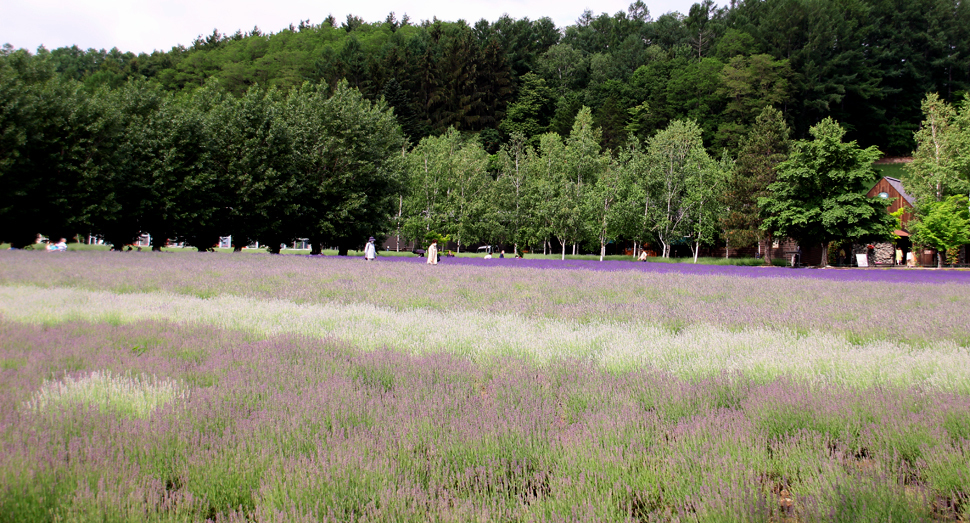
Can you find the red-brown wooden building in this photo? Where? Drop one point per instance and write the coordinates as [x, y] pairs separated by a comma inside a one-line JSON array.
[[891, 188]]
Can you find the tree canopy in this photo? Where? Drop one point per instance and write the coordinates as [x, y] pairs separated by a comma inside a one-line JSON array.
[[867, 64], [671, 130], [820, 192], [945, 226]]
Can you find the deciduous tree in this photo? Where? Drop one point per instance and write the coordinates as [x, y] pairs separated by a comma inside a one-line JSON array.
[[676, 157], [347, 162], [820, 192], [515, 161], [703, 202], [932, 171], [945, 226]]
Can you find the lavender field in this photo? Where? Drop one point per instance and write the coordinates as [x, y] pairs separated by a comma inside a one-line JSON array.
[[193, 387]]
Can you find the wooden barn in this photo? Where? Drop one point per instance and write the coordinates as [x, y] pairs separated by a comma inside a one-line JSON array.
[[884, 252], [892, 188]]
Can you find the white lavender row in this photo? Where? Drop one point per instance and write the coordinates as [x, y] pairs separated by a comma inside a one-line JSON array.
[[910, 310], [693, 352]]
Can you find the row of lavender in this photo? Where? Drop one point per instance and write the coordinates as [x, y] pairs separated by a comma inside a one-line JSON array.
[[302, 429], [220, 415], [915, 307], [692, 352]]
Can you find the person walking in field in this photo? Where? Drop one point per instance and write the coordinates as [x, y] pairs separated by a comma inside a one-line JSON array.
[[370, 252], [433, 253]]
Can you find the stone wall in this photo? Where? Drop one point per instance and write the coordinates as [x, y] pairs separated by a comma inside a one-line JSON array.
[[883, 253]]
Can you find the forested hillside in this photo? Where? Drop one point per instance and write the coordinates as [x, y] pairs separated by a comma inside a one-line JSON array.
[[865, 63], [728, 126]]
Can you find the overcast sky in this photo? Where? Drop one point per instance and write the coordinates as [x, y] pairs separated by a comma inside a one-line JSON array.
[[140, 26]]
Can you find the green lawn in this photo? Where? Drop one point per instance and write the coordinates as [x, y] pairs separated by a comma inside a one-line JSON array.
[[893, 170], [332, 252]]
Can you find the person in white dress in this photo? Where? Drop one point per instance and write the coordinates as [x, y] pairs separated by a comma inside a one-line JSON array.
[[433, 253], [370, 252]]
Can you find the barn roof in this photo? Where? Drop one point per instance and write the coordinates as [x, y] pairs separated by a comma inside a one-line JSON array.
[[898, 185]]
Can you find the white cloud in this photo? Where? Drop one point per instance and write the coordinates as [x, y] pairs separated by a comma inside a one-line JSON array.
[[145, 26]]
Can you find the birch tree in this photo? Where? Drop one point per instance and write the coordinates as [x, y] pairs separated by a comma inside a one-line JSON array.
[[467, 190], [602, 201], [961, 144], [427, 168], [448, 188], [585, 165], [675, 156], [512, 184], [940, 167], [703, 201], [633, 214], [932, 169], [556, 203]]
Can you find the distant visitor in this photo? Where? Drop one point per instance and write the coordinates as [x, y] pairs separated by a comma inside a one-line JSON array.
[[60, 246], [370, 252]]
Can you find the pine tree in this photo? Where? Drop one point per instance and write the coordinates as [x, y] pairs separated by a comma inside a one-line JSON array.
[[764, 147]]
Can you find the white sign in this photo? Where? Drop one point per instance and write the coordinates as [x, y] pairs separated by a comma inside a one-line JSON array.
[[861, 260]]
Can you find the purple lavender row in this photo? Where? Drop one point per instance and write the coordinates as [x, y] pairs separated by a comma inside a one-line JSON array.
[[889, 275], [929, 307], [290, 429]]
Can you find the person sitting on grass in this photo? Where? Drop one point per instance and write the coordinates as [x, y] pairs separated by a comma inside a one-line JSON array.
[[60, 246], [643, 256]]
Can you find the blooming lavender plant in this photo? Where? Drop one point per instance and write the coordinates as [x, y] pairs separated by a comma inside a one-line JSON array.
[[927, 308], [694, 351], [300, 429], [135, 395], [326, 389]]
